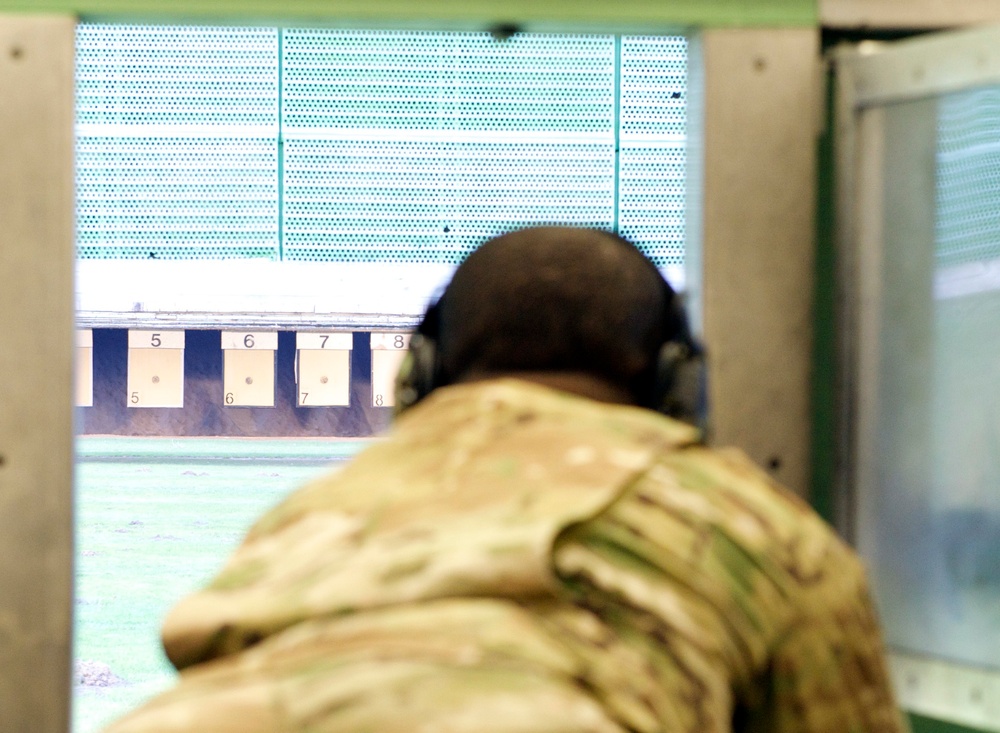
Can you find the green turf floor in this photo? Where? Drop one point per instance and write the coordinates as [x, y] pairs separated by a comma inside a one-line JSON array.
[[155, 518]]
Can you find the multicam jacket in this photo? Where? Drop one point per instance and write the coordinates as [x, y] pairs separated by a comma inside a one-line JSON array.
[[515, 559]]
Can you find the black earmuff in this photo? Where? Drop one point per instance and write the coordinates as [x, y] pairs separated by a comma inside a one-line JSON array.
[[420, 372], [680, 381]]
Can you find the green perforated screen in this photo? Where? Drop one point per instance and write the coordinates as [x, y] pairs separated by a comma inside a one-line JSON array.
[[652, 119], [177, 131], [968, 177], [359, 146]]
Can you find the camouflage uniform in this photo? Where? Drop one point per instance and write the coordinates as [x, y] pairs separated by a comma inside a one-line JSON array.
[[518, 559]]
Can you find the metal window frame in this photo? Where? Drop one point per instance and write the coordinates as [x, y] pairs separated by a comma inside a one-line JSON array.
[[869, 77]]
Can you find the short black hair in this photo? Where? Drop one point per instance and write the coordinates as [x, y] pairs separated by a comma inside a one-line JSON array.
[[555, 299]]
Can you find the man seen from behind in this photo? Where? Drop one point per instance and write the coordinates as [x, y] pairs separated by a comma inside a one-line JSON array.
[[537, 547]]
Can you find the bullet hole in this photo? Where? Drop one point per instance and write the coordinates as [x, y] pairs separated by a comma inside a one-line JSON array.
[[156, 380], [447, 229], [675, 95], [249, 380], [504, 31], [324, 380], [16, 52], [774, 463], [759, 63]]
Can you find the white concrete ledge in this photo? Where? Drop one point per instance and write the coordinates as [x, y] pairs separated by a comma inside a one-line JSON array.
[[947, 690], [243, 293]]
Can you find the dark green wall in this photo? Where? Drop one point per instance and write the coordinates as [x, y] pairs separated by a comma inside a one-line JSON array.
[[825, 347], [929, 725]]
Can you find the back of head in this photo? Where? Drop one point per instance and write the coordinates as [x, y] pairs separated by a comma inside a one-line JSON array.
[[555, 299]]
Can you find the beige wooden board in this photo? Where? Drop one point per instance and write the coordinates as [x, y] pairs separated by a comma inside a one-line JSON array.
[[140, 339], [895, 14], [155, 378], [248, 377], [36, 371], [83, 387], [762, 109], [324, 377], [328, 341], [260, 340], [390, 341], [385, 367], [84, 383]]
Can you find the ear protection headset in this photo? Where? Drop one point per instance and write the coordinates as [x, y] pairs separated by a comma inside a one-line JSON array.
[[677, 386], [680, 378], [420, 373]]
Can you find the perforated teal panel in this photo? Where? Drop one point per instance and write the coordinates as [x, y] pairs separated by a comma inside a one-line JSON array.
[[418, 146], [652, 136], [434, 201], [417, 81], [968, 177], [392, 146], [177, 151]]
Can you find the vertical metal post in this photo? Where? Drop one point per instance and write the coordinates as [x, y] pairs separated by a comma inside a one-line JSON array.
[[36, 371], [761, 97]]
